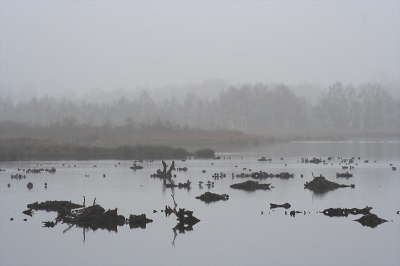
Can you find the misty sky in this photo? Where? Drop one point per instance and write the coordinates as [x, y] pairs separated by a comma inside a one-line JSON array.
[[62, 45]]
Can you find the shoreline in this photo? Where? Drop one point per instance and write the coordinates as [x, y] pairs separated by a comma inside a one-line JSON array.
[[25, 149]]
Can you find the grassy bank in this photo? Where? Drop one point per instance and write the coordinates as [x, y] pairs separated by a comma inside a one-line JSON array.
[[26, 149], [119, 136]]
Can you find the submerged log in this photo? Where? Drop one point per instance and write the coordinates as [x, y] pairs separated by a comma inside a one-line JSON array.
[[285, 175], [313, 160], [210, 197], [321, 185], [180, 185], [250, 185], [53, 205], [263, 159], [264, 175], [136, 167], [286, 205], [340, 212], [260, 175], [370, 220], [347, 175]]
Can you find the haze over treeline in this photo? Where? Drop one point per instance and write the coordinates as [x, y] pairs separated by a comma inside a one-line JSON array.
[[251, 108], [263, 67]]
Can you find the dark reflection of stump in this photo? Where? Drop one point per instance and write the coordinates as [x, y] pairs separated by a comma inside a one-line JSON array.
[[185, 218]]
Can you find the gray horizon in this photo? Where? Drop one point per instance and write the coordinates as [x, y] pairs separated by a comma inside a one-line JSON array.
[[77, 47]]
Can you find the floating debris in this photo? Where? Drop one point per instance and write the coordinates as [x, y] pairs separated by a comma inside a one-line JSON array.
[[286, 205], [250, 185], [18, 176], [136, 221], [211, 197], [370, 220], [321, 185], [313, 160], [264, 175], [340, 212], [94, 217], [48, 224], [180, 185], [54, 205], [34, 171], [347, 175], [293, 213], [136, 167], [28, 212]]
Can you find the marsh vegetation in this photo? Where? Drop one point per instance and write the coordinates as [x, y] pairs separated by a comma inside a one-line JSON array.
[[34, 149]]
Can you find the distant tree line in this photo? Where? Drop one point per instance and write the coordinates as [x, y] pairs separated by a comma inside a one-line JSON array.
[[257, 108]]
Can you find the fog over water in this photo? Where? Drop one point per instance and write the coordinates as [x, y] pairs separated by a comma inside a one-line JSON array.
[[250, 80], [81, 48]]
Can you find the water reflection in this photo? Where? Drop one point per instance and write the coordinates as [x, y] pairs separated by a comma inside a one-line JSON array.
[[319, 185], [185, 218], [91, 217], [136, 221], [368, 219], [377, 185]]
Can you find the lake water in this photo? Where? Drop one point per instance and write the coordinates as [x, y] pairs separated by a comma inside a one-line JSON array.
[[232, 232]]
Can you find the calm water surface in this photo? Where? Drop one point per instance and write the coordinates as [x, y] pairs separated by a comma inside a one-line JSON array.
[[232, 232]]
